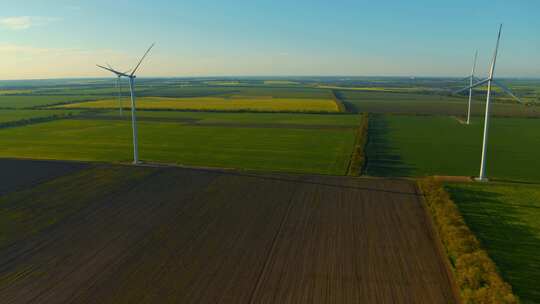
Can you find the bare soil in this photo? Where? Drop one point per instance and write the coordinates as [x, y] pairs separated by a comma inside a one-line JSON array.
[[200, 236], [17, 174]]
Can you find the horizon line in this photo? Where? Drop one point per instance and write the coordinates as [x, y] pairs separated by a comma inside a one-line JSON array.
[[267, 76]]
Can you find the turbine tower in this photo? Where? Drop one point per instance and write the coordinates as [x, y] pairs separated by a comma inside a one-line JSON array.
[[131, 77], [119, 94], [490, 81], [472, 78], [118, 87]]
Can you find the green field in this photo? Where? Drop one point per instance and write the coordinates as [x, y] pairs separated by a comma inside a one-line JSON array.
[[506, 219], [15, 115], [318, 150], [438, 145], [233, 103]]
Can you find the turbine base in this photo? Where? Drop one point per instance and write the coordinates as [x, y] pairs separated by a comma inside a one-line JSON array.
[[481, 179]]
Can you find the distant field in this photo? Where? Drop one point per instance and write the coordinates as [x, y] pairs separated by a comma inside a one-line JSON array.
[[239, 90], [27, 101], [378, 89], [223, 83], [233, 103], [280, 82], [425, 104], [12, 92], [15, 115], [319, 150], [506, 219], [437, 145]]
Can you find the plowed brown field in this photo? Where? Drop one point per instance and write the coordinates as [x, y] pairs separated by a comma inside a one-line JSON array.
[[193, 236]]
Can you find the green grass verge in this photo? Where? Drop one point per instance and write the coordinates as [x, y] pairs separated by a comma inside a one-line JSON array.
[[506, 219], [358, 157]]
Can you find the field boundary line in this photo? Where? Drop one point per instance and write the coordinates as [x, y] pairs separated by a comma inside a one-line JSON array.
[[242, 110], [37, 120], [273, 247], [193, 123], [434, 235]]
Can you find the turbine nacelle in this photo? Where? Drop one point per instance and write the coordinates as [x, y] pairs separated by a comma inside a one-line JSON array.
[[125, 74], [490, 79]]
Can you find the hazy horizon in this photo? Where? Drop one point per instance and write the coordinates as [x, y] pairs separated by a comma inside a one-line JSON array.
[[269, 77], [66, 38]]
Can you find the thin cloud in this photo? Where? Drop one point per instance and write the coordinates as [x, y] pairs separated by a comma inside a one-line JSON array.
[[26, 61], [24, 22], [73, 7]]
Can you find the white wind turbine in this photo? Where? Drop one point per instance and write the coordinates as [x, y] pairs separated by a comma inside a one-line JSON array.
[[131, 77], [490, 81]]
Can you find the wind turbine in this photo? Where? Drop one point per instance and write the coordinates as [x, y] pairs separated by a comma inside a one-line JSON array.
[[131, 77], [490, 81]]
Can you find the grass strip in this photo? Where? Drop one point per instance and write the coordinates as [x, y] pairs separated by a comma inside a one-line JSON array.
[[358, 157]]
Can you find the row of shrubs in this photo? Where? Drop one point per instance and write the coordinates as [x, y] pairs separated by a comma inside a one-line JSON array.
[[59, 104], [475, 273], [340, 105], [358, 158], [27, 121], [215, 110]]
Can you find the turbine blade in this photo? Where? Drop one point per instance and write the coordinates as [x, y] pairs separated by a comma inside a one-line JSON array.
[[492, 69], [102, 67], [112, 70], [140, 61], [507, 90], [470, 87], [474, 65]]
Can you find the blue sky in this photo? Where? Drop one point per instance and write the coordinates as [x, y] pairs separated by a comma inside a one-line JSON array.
[[65, 38]]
